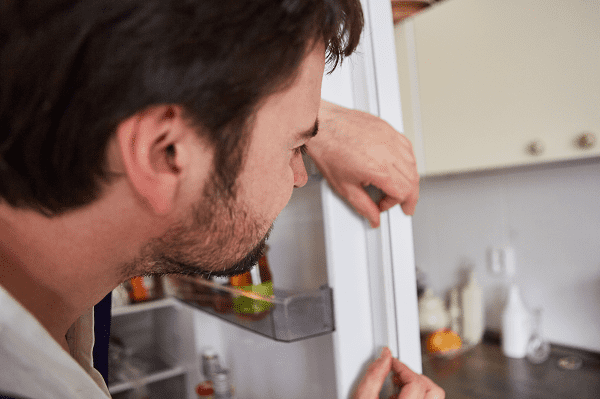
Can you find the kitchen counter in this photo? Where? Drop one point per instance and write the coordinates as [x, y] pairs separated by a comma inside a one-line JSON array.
[[484, 372]]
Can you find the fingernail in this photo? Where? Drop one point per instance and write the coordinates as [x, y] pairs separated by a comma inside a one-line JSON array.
[[384, 352]]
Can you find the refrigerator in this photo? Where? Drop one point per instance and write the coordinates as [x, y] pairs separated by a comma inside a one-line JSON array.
[[318, 240]]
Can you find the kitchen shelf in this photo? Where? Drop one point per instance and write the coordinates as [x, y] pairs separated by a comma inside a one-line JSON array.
[[293, 316]]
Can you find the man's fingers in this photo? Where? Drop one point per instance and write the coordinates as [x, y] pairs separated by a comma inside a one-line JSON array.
[[371, 384], [410, 204], [403, 373], [386, 203], [414, 385], [400, 189], [434, 391], [412, 391], [362, 203]]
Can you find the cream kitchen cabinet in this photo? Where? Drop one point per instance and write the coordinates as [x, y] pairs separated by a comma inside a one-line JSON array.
[[489, 84]]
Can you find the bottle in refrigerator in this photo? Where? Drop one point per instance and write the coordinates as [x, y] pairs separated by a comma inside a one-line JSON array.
[[144, 288], [210, 366], [210, 363], [120, 296], [257, 280], [202, 294], [139, 290], [222, 385], [222, 301]]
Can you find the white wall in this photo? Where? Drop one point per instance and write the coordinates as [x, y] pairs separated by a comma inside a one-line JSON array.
[[550, 214]]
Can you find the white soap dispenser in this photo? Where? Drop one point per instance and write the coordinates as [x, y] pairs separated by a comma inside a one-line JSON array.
[[516, 325]]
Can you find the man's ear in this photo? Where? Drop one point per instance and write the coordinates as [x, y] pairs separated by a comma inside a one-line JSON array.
[[153, 154]]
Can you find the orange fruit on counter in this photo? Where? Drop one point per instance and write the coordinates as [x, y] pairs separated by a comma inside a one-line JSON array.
[[443, 341]]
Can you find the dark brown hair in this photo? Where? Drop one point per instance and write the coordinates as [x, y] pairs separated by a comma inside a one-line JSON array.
[[70, 71]]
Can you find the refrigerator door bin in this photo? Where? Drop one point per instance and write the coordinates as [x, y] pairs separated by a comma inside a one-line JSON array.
[[291, 316]]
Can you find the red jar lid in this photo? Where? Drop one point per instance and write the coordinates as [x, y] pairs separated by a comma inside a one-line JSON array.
[[205, 389]]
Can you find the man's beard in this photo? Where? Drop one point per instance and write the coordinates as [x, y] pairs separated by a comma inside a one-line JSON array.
[[219, 238]]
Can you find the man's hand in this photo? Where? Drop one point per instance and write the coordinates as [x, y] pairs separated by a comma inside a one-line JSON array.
[[411, 384], [371, 384], [354, 149]]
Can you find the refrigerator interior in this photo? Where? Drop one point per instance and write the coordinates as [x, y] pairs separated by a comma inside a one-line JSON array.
[[264, 368], [319, 240]]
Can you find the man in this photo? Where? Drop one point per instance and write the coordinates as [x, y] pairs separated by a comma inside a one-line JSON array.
[[155, 136]]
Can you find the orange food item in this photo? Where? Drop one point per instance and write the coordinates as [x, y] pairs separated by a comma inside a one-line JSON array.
[[443, 341], [139, 291], [241, 280]]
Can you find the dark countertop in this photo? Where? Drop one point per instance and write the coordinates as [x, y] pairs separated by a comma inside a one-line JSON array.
[[484, 372]]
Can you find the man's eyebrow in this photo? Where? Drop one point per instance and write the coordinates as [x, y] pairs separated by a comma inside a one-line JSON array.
[[307, 134]]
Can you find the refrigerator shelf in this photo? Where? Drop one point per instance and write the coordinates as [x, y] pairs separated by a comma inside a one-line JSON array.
[[140, 367], [292, 316], [165, 374], [117, 311], [168, 384]]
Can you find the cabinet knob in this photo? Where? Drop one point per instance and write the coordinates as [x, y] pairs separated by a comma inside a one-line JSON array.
[[535, 148], [585, 140]]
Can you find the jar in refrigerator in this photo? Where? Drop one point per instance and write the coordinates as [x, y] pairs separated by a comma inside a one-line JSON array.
[[222, 301], [144, 288], [210, 366], [222, 385], [204, 390], [257, 280], [210, 363], [191, 289], [120, 296]]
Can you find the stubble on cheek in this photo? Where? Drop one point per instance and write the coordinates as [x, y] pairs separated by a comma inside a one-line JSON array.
[[217, 237]]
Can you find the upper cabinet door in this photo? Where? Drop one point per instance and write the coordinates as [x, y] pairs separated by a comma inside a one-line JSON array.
[[488, 84]]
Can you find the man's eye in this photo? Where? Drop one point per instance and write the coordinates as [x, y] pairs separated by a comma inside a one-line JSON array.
[[300, 150]]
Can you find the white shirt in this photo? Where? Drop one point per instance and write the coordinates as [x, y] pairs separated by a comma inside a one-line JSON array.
[[34, 365]]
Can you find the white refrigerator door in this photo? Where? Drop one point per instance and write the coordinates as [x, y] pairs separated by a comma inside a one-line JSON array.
[[371, 271]]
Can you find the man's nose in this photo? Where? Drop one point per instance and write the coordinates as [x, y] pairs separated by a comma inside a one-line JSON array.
[[300, 175]]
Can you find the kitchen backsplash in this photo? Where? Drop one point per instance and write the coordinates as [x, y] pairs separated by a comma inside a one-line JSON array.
[[549, 214]]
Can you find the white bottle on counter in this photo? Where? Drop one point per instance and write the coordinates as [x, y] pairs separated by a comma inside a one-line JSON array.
[[432, 312], [516, 326], [454, 311], [471, 298]]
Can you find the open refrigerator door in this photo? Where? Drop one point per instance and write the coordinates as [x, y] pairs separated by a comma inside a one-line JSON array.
[[320, 241]]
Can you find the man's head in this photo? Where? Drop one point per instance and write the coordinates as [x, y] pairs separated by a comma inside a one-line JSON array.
[[76, 76], [71, 71], [218, 233]]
